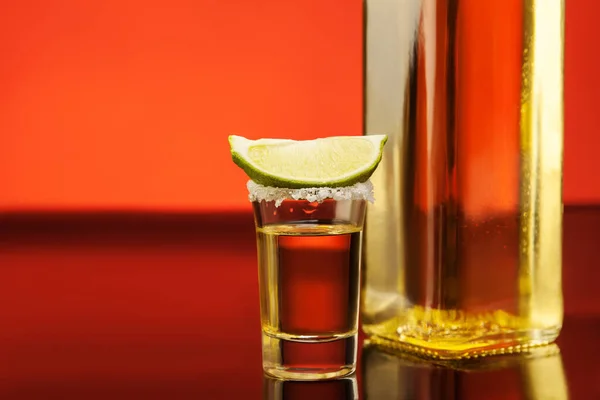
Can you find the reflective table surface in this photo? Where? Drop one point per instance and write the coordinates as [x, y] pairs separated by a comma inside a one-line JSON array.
[[165, 306]]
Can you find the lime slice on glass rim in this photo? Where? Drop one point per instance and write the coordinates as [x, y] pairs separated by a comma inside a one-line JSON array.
[[336, 161]]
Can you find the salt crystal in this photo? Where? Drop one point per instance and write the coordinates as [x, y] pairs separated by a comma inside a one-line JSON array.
[[358, 191]]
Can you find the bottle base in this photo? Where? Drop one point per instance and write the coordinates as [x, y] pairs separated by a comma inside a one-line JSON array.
[[459, 338], [428, 352]]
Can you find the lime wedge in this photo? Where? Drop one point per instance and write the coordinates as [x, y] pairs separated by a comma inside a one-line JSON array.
[[327, 162]]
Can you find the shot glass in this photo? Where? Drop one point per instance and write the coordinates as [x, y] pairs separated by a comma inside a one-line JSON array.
[[309, 258]]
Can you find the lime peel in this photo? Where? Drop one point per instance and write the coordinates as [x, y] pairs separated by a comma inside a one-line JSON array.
[[358, 191], [329, 162]]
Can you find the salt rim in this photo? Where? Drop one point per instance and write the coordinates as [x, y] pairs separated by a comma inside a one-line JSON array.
[[358, 191]]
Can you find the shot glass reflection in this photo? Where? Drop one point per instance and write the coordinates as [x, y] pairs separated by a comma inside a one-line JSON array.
[[336, 389], [538, 374]]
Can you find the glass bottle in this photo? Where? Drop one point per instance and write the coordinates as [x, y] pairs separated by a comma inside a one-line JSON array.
[[462, 249]]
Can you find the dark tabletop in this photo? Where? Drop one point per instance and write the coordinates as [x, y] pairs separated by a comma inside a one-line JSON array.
[[128, 306]]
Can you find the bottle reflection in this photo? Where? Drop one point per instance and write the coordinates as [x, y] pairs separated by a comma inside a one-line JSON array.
[[336, 389], [536, 375]]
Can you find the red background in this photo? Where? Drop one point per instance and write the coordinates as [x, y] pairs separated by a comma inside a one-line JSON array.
[[127, 104]]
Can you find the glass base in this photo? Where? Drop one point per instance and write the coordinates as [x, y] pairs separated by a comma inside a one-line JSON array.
[[309, 359]]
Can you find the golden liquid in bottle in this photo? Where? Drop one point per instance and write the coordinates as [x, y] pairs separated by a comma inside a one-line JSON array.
[[462, 249]]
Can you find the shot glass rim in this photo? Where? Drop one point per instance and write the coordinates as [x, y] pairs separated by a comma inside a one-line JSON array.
[[358, 191]]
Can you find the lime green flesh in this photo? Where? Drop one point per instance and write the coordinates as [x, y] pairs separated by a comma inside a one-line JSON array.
[[327, 162]]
